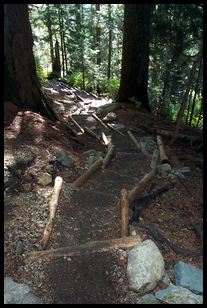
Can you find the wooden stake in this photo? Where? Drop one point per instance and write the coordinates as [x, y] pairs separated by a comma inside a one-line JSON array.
[[134, 140], [76, 123], [109, 154], [85, 176], [87, 248], [99, 120], [124, 213], [163, 156], [52, 206]]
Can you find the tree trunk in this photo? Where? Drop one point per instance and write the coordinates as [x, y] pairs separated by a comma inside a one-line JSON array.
[[61, 37], [196, 91], [185, 96], [135, 54], [21, 85], [56, 64], [49, 28], [189, 104], [110, 42], [178, 48]]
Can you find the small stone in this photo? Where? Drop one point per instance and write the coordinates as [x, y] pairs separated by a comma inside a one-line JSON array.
[[133, 233], [45, 179]]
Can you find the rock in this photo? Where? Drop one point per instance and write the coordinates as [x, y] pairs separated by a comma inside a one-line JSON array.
[[133, 233], [45, 179], [148, 299], [178, 295], [64, 159], [106, 108], [188, 276], [18, 293], [164, 170], [111, 116], [27, 186], [145, 267]]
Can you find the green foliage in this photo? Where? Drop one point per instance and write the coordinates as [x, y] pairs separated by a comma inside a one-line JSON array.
[[41, 73]]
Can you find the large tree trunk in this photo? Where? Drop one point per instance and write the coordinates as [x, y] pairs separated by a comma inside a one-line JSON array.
[[21, 85], [135, 54]]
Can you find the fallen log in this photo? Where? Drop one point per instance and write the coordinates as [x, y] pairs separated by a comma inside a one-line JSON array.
[[163, 157], [85, 176], [52, 207], [109, 154], [124, 213], [90, 132], [99, 120], [87, 248], [134, 140], [76, 123]]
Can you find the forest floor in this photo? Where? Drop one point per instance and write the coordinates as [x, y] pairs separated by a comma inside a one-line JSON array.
[[91, 212]]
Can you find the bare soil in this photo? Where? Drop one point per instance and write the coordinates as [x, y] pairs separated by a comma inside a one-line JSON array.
[[93, 211]]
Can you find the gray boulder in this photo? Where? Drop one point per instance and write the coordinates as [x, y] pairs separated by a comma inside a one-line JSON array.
[[189, 276], [145, 267], [178, 295], [18, 293]]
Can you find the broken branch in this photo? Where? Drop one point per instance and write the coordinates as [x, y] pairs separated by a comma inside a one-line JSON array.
[[124, 213], [99, 120], [76, 123], [85, 176], [113, 128], [109, 154], [163, 156], [134, 193], [90, 132], [87, 248], [134, 140], [52, 207]]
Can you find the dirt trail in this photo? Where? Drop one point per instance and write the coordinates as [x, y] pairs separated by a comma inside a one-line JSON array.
[[93, 211]]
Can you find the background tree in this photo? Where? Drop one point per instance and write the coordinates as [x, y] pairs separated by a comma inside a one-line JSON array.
[[135, 57], [21, 84]]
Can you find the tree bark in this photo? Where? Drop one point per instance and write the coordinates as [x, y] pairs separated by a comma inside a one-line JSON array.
[[56, 64], [135, 54], [124, 213], [21, 84]]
